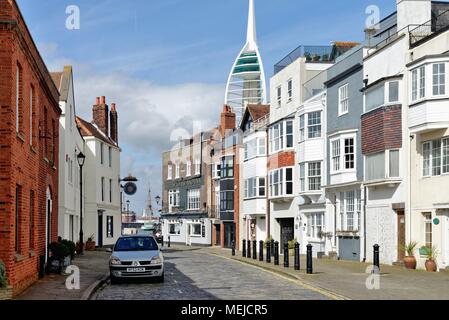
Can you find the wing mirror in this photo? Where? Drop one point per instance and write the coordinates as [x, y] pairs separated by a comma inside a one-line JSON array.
[[109, 250]]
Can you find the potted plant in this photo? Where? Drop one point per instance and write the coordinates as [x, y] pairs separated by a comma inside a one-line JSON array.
[[90, 244], [71, 246], [5, 290], [58, 254], [291, 247], [431, 254], [410, 259]]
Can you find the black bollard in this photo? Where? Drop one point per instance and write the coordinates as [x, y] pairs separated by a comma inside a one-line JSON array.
[[376, 259], [276, 253], [162, 241], [255, 249], [261, 250], [233, 248], [248, 249], [169, 241], [268, 252], [297, 257], [309, 259], [286, 256], [244, 248]]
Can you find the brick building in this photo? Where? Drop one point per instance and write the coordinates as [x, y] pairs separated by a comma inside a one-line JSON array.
[[29, 116]]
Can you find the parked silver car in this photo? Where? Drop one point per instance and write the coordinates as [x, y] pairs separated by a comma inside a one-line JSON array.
[[136, 256]]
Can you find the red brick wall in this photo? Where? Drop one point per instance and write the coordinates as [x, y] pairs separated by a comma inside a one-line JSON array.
[[21, 163], [281, 160], [382, 130]]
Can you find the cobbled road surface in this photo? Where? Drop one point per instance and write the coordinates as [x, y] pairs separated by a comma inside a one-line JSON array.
[[195, 275]]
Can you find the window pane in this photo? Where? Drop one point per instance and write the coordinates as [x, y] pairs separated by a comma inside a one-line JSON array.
[[436, 158], [426, 159], [314, 125], [394, 163], [393, 92], [349, 154], [446, 155], [375, 166], [375, 98]]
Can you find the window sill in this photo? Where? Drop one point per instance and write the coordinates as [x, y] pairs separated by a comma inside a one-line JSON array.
[[33, 149], [19, 257], [20, 136], [32, 254]]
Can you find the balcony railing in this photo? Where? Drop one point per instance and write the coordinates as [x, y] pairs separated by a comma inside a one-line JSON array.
[[429, 29]]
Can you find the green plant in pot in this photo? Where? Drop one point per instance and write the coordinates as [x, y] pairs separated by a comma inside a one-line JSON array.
[[410, 259], [291, 247], [71, 246], [3, 278], [431, 253]]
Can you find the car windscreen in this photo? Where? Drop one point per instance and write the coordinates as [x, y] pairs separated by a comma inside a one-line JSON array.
[[136, 244]]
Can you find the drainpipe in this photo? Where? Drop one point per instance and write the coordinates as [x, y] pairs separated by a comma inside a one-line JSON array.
[[364, 222], [412, 137]]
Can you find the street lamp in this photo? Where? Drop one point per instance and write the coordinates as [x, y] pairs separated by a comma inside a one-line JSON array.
[[81, 159], [158, 199]]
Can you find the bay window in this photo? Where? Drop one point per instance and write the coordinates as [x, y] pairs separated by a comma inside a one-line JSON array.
[[281, 136], [255, 148], [436, 157], [376, 165], [439, 79], [254, 188], [227, 167], [193, 199], [343, 154], [314, 125], [227, 200], [314, 176], [419, 83], [281, 182], [315, 225]]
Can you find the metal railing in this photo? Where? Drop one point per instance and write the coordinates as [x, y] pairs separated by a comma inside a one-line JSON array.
[[431, 28]]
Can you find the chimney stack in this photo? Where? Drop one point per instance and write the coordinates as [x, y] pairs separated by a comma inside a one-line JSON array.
[[228, 120], [100, 115], [114, 123]]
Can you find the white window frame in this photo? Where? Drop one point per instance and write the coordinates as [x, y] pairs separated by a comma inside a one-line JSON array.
[[314, 228], [193, 199], [427, 220], [279, 95], [192, 234], [310, 177], [281, 138], [343, 100], [188, 168], [216, 171], [280, 184], [170, 172], [350, 210], [388, 90], [177, 229], [290, 90], [177, 170], [313, 125], [253, 188], [197, 166], [418, 83], [336, 155], [440, 84], [302, 128], [173, 199], [429, 170]]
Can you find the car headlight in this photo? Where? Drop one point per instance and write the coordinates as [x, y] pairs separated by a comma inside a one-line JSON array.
[[115, 261], [156, 260]]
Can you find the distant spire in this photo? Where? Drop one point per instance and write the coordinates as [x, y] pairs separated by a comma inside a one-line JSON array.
[[251, 37]]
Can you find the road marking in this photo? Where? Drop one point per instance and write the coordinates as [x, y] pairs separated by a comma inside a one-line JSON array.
[[322, 291]]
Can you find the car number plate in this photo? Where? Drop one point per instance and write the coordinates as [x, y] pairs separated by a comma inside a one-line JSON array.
[[135, 270]]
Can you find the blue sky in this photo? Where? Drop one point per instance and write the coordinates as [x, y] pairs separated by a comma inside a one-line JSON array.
[[166, 62]]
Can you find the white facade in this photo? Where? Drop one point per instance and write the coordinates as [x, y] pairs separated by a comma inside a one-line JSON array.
[[253, 186], [71, 144], [102, 192], [196, 232], [310, 150], [385, 176], [428, 124]]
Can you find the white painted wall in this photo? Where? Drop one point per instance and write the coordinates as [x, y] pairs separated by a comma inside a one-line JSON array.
[[184, 238]]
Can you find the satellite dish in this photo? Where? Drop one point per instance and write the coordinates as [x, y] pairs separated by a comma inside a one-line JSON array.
[[130, 188]]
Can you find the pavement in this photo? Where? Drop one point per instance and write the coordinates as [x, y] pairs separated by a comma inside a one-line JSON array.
[[348, 279], [93, 266], [194, 274]]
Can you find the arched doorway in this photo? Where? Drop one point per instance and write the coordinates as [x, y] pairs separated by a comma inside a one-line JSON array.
[[48, 216]]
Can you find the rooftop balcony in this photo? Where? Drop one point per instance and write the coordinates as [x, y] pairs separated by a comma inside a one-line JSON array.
[[313, 54], [430, 29]]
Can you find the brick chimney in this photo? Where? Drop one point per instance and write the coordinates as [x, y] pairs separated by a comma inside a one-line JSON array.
[[228, 120], [114, 123], [100, 115]]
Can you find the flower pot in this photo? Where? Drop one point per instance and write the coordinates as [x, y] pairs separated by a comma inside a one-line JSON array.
[[410, 263], [431, 266], [90, 246]]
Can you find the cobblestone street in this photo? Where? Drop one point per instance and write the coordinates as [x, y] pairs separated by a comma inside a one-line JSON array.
[[194, 274]]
